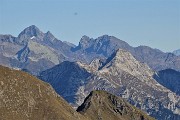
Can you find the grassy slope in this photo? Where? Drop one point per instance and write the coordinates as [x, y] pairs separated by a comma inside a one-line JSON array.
[[24, 97]]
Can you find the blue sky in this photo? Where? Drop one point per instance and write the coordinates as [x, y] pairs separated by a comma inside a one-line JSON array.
[[154, 23]]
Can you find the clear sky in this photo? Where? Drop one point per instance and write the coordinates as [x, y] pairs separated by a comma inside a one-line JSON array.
[[154, 23]]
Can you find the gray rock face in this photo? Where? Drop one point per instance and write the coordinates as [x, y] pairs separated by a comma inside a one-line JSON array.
[[156, 59], [170, 79], [32, 50], [122, 75], [105, 45], [101, 47], [29, 33], [15, 50], [177, 52]]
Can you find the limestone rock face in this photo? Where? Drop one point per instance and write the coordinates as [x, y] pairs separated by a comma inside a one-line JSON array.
[[120, 74]]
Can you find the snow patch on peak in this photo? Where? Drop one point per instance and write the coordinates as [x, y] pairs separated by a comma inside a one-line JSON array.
[[33, 37]]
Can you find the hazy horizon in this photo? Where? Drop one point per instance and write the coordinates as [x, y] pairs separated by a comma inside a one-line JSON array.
[[150, 23]]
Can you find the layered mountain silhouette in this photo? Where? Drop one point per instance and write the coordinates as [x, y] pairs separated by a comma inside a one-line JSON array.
[[32, 47], [32, 50], [105, 45], [24, 97], [122, 75]]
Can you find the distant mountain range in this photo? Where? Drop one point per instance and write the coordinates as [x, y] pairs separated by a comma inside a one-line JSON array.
[[147, 78], [177, 52], [35, 51], [24, 97]]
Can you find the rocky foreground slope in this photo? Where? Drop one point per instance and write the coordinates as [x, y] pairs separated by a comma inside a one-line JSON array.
[[24, 97], [120, 74], [101, 105]]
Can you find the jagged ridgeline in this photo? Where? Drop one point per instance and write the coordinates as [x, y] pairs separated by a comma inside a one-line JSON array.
[[35, 51], [24, 97]]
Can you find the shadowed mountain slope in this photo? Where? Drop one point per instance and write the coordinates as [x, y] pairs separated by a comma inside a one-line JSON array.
[[170, 79]]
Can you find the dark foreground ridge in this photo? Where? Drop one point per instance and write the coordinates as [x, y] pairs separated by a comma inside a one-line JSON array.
[[101, 105]]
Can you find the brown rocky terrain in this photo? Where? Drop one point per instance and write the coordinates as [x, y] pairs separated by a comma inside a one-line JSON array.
[[101, 105], [24, 97]]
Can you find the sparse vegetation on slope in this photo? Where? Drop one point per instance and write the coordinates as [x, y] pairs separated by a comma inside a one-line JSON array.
[[101, 105], [24, 97]]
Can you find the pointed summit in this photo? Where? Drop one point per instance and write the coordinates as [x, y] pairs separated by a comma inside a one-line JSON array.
[[49, 36], [124, 60], [29, 32], [101, 105], [84, 42]]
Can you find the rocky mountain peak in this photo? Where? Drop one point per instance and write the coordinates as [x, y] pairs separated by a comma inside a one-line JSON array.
[[121, 56], [124, 60], [49, 36], [30, 32], [84, 42], [99, 103]]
